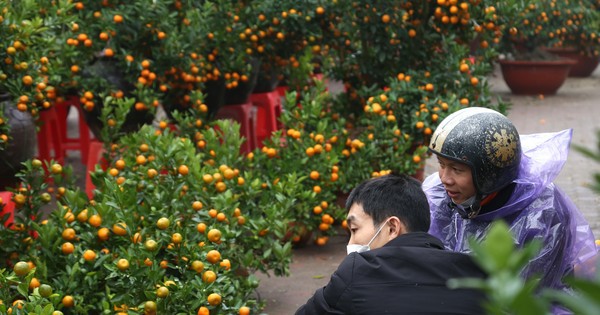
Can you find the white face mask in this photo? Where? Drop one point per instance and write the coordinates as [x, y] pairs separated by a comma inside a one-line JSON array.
[[351, 248]]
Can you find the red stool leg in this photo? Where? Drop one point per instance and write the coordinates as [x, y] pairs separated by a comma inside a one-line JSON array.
[[43, 150], [82, 142], [269, 109], [94, 157], [84, 136], [7, 206], [49, 137], [246, 116]]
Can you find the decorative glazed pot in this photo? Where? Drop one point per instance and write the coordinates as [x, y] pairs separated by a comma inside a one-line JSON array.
[[585, 64], [526, 77], [109, 70], [21, 147], [241, 93], [267, 79]]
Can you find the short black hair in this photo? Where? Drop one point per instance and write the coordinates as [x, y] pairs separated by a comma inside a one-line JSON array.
[[393, 195]]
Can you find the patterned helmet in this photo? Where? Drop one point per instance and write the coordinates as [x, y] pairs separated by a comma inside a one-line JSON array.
[[483, 139]]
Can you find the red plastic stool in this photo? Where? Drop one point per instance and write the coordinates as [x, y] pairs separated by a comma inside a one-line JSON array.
[[82, 143], [49, 139], [282, 90], [94, 155], [9, 207], [268, 107], [53, 136], [245, 114]]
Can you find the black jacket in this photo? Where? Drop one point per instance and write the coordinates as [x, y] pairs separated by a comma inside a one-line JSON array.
[[406, 276]]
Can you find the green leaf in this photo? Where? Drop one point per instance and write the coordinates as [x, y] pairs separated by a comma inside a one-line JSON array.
[[499, 245], [48, 309]]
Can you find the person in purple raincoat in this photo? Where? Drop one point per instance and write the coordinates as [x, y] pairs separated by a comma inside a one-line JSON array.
[[488, 172]]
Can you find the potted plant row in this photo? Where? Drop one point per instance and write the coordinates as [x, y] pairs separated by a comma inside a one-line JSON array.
[[529, 66]]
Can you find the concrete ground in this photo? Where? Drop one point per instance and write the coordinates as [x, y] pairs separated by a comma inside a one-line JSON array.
[[576, 105]]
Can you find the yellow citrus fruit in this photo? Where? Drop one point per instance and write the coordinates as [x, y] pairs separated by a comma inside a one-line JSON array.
[[95, 220], [163, 223], [136, 238], [45, 290], [150, 307], [201, 227], [197, 266], [56, 168], [18, 304], [21, 268], [68, 234], [176, 238], [183, 170], [213, 256], [314, 175], [214, 299], [197, 205], [82, 216], [123, 264], [225, 264], [151, 245], [89, 255], [67, 248], [214, 235], [120, 228], [103, 234], [68, 301], [34, 283], [162, 292], [209, 276]]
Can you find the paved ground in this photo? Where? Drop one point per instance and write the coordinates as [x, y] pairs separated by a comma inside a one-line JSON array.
[[576, 105]]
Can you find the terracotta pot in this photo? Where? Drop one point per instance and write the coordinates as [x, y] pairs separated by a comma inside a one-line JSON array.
[[298, 234], [527, 77], [585, 64], [340, 199], [419, 174]]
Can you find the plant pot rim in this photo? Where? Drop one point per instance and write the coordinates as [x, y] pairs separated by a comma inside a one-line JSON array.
[[567, 49], [556, 62]]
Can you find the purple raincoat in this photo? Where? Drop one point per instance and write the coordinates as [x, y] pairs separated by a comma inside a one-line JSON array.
[[537, 209]]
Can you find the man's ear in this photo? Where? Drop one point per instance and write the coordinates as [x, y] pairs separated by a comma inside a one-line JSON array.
[[396, 227]]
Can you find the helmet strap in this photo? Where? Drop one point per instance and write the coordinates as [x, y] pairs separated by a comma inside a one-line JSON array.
[[470, 208]]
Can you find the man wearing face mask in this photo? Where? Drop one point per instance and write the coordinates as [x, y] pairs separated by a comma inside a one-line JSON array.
[[393, 265]]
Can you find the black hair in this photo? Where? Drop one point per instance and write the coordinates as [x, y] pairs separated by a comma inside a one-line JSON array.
[[393, 195]]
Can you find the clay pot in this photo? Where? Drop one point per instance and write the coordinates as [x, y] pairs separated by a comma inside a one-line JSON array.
[[298, 234], [533, 77], [585, 64]]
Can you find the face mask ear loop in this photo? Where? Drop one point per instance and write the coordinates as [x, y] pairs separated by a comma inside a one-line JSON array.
[[378, 231]]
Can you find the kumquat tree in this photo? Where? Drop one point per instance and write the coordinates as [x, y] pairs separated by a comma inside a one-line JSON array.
[[178, 215]]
